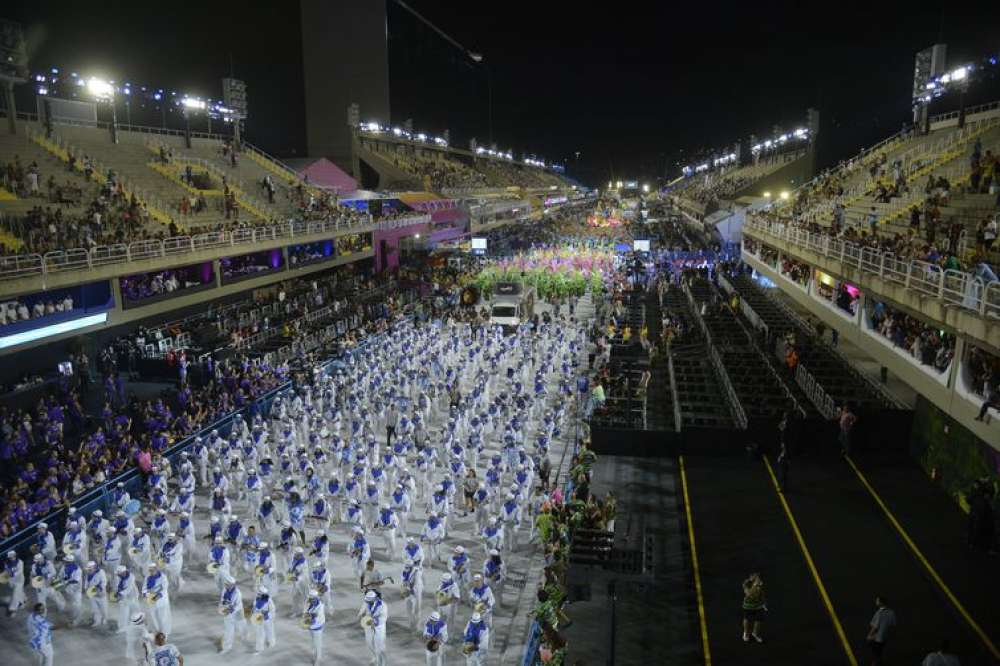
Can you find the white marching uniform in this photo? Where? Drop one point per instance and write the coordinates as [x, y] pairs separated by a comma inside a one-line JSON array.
[[378, 611], [264, 605], [316, 615], [127, 594], [478, 634], [436, 630], [231, 609], [448, 597], [157, 596], [72, 582], [96, 584], [412, 582], [14, 570]]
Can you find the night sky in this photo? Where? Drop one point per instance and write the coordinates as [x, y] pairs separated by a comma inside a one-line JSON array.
[[628, 85]]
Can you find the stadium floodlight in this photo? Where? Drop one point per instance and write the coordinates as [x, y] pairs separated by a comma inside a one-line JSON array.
[[100, 88], [417, 236], [767, 195], [645, 187], [959, 74], [193, 104], [619, 184], [784, 195]]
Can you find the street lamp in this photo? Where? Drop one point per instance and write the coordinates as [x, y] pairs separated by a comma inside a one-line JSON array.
[[104, 91], [190, 104]]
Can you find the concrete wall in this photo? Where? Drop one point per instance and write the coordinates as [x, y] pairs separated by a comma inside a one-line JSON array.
[[787, 177]]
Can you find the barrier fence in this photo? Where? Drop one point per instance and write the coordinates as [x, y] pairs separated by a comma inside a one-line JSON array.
[[814, 391], [979, 293]]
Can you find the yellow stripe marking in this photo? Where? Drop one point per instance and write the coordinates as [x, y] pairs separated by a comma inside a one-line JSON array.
[[812, 567], [697, 571], [927, 565]]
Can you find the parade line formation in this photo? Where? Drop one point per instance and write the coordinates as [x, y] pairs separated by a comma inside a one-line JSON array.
[[393, 490]]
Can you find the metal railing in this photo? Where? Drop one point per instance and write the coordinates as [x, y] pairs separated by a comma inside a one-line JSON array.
[[958, 289], [79, 259]]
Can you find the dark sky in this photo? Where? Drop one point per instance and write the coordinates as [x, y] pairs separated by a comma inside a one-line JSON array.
[[626, 84]]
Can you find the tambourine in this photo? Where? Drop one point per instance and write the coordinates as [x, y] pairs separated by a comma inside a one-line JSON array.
[[37, 582], [69, 549], [213, 567], [225, 610], [306, 621], [259, 570], [257, 618], [443, 598], [468, 648], [114, 597], [405, 592], [480, 607], [161, 562], [4, 577], [92, 591], [134, 552], [291, 577], [367, 622], [433, 645]]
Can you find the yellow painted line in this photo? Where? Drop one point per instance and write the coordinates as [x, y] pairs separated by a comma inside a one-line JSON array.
[[927, 565], [852, 660], [697, 571]]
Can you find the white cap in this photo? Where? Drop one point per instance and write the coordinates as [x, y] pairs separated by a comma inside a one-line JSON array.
[[151, 566], [68, 558], [121, 568], [476, 617], [230, 580], [313, 594], [459, 549], [43, 526], [370, 595], [91, 564], [261, 590], [218, 539], [263, 544], [99, 513], [446, 576], [298, 550], [39, 557], [494, 552], [477, 577]]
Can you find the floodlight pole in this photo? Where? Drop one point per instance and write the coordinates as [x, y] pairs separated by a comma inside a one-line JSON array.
[[8, 94], [187, 128], [114, 120]]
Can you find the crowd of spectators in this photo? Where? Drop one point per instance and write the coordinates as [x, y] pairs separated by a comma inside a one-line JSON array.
[[927, 344], [796, 271], [149, 285], [18, 310]]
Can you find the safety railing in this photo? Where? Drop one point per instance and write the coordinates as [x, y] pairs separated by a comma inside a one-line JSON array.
[[78, 259], [971, 292]]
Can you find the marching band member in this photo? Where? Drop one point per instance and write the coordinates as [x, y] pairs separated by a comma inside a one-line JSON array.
[[387, 523], [253, 489], [492, 535], [400, 501], [433, 534], [249, 545], [172, 560], [218, 562], [263, 620], [321, 580], [374, 614], [413, 553], [120, 496], [448, 597], [297, 574], [412, 582], [125, 593], [436, 636], [185, 529], [481, 598], [183, 502], [314, 619], [138, 639], [139, 551], [72, 584], [123, 526], [476, 641], [510, 515], [231, 610], [157, 597], [264, 569], [13, 575], [74, 542], [359, 550], [322, 511], [220, 503], [97, 532], [96, 583], [321, 546], [267, 518], [495, 573], [353, 516], [459, 565]]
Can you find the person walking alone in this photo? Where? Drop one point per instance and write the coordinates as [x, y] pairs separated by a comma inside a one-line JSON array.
[[754, 608], [878, 629]]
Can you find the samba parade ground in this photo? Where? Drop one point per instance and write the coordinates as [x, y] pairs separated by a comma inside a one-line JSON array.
[[715, 383]]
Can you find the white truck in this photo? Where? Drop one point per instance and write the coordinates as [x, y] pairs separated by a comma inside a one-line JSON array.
[[512, 305]]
